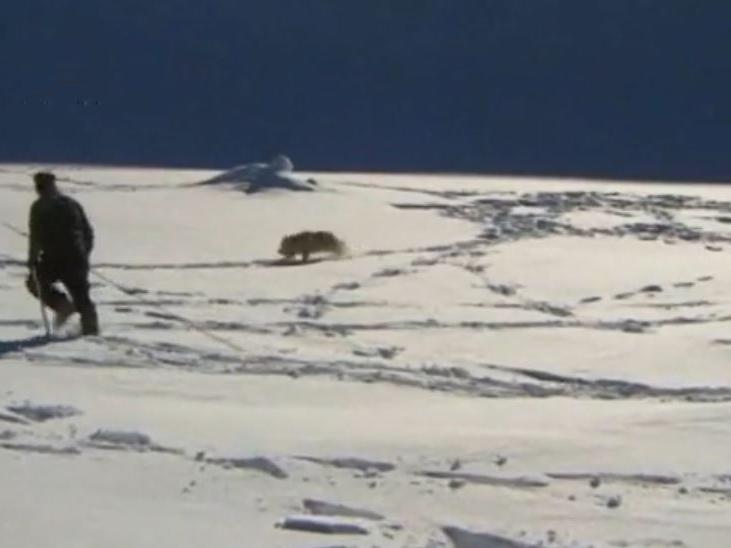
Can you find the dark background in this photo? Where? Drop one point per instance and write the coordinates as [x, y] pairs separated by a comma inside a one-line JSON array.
[[605, 88]]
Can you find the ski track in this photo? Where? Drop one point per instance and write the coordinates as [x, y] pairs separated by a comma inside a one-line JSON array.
[[525, 383]]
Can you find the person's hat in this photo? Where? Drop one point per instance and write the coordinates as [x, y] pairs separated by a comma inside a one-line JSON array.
[[44, 180]]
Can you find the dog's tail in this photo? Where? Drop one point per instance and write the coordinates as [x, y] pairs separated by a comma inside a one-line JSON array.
[[341, 248]]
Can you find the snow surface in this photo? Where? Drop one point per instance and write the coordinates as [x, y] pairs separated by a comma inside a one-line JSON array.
[[499, 362]]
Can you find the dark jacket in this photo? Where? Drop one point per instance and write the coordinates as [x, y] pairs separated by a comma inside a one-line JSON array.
[[59, 231]]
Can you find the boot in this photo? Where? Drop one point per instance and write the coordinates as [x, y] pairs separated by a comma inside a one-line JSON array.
[[62, 311], [89, 322]]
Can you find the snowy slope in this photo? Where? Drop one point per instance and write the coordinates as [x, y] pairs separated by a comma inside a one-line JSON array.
[[540, 360]]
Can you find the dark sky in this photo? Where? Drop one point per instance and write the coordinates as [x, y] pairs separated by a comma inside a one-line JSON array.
[[607, 88]]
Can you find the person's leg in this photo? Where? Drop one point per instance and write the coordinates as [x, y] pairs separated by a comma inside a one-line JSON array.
[[76, 280]]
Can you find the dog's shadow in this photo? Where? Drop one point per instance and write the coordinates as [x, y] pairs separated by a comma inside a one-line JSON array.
[[289, 262]]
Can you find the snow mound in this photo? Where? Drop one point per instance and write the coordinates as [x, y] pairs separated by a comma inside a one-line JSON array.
[[324, 508], [261, 464], [462, 538], [259, 176], [42, 413], [328, 526], [119, 437], [355, 463]]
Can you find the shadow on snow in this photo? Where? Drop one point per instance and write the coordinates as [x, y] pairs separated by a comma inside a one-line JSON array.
[[18, 345]]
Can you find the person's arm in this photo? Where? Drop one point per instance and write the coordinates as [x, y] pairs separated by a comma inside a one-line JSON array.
[[34, 230], [87, 230]]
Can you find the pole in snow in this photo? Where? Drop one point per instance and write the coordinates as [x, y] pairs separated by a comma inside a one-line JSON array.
[[44, 315]]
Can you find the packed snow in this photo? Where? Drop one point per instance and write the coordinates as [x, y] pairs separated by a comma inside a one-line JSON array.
[[497, 362]]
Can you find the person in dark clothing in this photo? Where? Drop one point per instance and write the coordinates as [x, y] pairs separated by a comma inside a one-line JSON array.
[[60, 242]]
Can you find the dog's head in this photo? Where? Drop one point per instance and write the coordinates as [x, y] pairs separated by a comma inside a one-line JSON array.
[[287, 247]]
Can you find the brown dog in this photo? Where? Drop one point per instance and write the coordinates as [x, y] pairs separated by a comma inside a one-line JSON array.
[[305, 243]]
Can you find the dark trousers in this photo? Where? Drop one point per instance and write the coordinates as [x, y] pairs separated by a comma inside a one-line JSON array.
[[74, 276]]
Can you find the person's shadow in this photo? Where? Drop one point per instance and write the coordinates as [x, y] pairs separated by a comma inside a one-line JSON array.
[[18, 345]]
